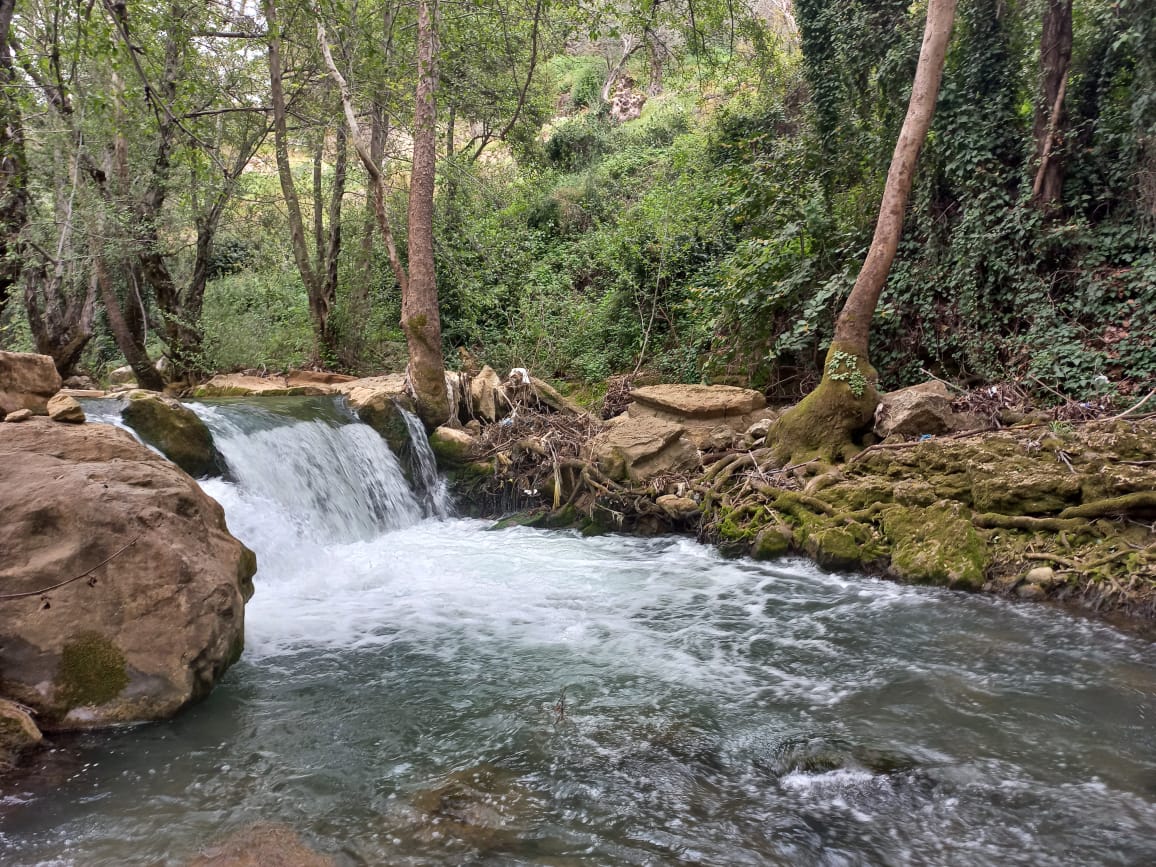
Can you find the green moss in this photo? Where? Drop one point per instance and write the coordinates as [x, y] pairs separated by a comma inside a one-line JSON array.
[[825, 422], [935, 545], [92, 671], [771, 542], [854, 494], [834, 548]]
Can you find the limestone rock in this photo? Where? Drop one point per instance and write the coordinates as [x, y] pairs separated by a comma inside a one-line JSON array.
[[18, 415], [453, 447], [64, 408], [639, 449], [626, 103], [920, 409], [176, 430], [701, 409], [83, 383], [487, 397], [122, 376], [262, 846], [759, 430], [18, 732], [27, 381], [679, 508], [242, 384], [1042, 576], [700, 401], [376, 399], [159, 613]]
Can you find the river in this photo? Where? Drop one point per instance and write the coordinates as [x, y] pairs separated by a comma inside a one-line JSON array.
[[417, 689]]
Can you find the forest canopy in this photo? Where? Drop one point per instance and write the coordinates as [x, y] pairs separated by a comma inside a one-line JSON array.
[[680, 188]]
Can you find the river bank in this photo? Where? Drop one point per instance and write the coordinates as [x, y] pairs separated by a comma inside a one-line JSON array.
[[1045, 511]]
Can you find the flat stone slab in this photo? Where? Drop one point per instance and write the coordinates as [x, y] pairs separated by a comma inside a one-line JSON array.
[[700, 401]]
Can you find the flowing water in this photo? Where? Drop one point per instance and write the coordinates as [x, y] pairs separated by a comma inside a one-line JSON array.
[[421, 691]]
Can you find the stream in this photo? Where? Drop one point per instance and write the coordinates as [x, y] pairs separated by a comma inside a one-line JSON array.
[[417, 689]]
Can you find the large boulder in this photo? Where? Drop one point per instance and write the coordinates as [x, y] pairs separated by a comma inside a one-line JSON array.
[[453, 448], [27, 381], [638, 449], [378, 401], [919, 409], [176, 430], [150, 608], [707, 412]]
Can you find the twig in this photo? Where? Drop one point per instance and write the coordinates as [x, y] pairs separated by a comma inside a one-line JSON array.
[[1134, 407], [85, 574]]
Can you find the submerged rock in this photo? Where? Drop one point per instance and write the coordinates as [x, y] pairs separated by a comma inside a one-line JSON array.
[[27, 381], [262, 846], [484, 806], [151, 611], [176, 430]]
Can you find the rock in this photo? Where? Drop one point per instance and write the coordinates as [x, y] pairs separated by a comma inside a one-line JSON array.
[[318, 377], [771, 542], [935, 544], [262, 846], [83, 392], [723, 438], [176, 430], [759, 430], [83, 383], [18, 415], [639, 449], [484, 806], [679, 508], [1042, 576], [27, 381], [376, 400], [453, 448], [122, 376], [920, 409], [18, 732], [159, 613], [240, 384], [64, 408], [700, 401], [487, 397]]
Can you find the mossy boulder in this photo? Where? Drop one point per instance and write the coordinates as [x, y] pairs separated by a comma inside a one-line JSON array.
[[150, 609], [453, 448], [378, 401], [175, 430], [935, 544], [18, 733]]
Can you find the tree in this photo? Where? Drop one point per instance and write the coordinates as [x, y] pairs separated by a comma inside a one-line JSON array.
[[1055, 58], [844, 402]]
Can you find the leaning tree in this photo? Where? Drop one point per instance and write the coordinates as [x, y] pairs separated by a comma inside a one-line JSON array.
[[825, 421]]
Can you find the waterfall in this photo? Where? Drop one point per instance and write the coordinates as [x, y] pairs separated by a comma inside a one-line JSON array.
[[431, 487], [335, 478]]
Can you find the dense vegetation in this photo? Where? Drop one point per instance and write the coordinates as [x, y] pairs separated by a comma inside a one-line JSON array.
[[715, 237]]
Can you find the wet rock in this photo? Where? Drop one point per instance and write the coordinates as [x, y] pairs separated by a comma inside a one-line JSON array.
[[18, 415], [935, 545], [639, 449], [27, 381], [64, 408], [262, 846], [176, 430], [487, 397], [376, 401], [920, 409], [771, 542], [453, 448], [18, 732], [157, 614], [483, 806]]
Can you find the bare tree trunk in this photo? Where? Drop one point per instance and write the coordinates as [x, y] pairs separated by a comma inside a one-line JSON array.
[[128, 341], [655, 52], [844, 402], [321, 306], [378, 131], [419, 307], [629, 45], [1055, 60]]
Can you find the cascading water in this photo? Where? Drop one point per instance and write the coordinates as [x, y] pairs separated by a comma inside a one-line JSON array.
[[443, 694], [428, 482]]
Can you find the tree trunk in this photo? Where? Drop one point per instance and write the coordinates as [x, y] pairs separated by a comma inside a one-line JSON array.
[[1055, 60], [127, 340], [321, 305], [826, 421], [655, 51], [13, 164], [419, 307], [629, 46]]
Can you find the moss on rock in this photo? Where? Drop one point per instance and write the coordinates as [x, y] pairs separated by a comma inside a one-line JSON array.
[[935, 545], [92, 671]]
